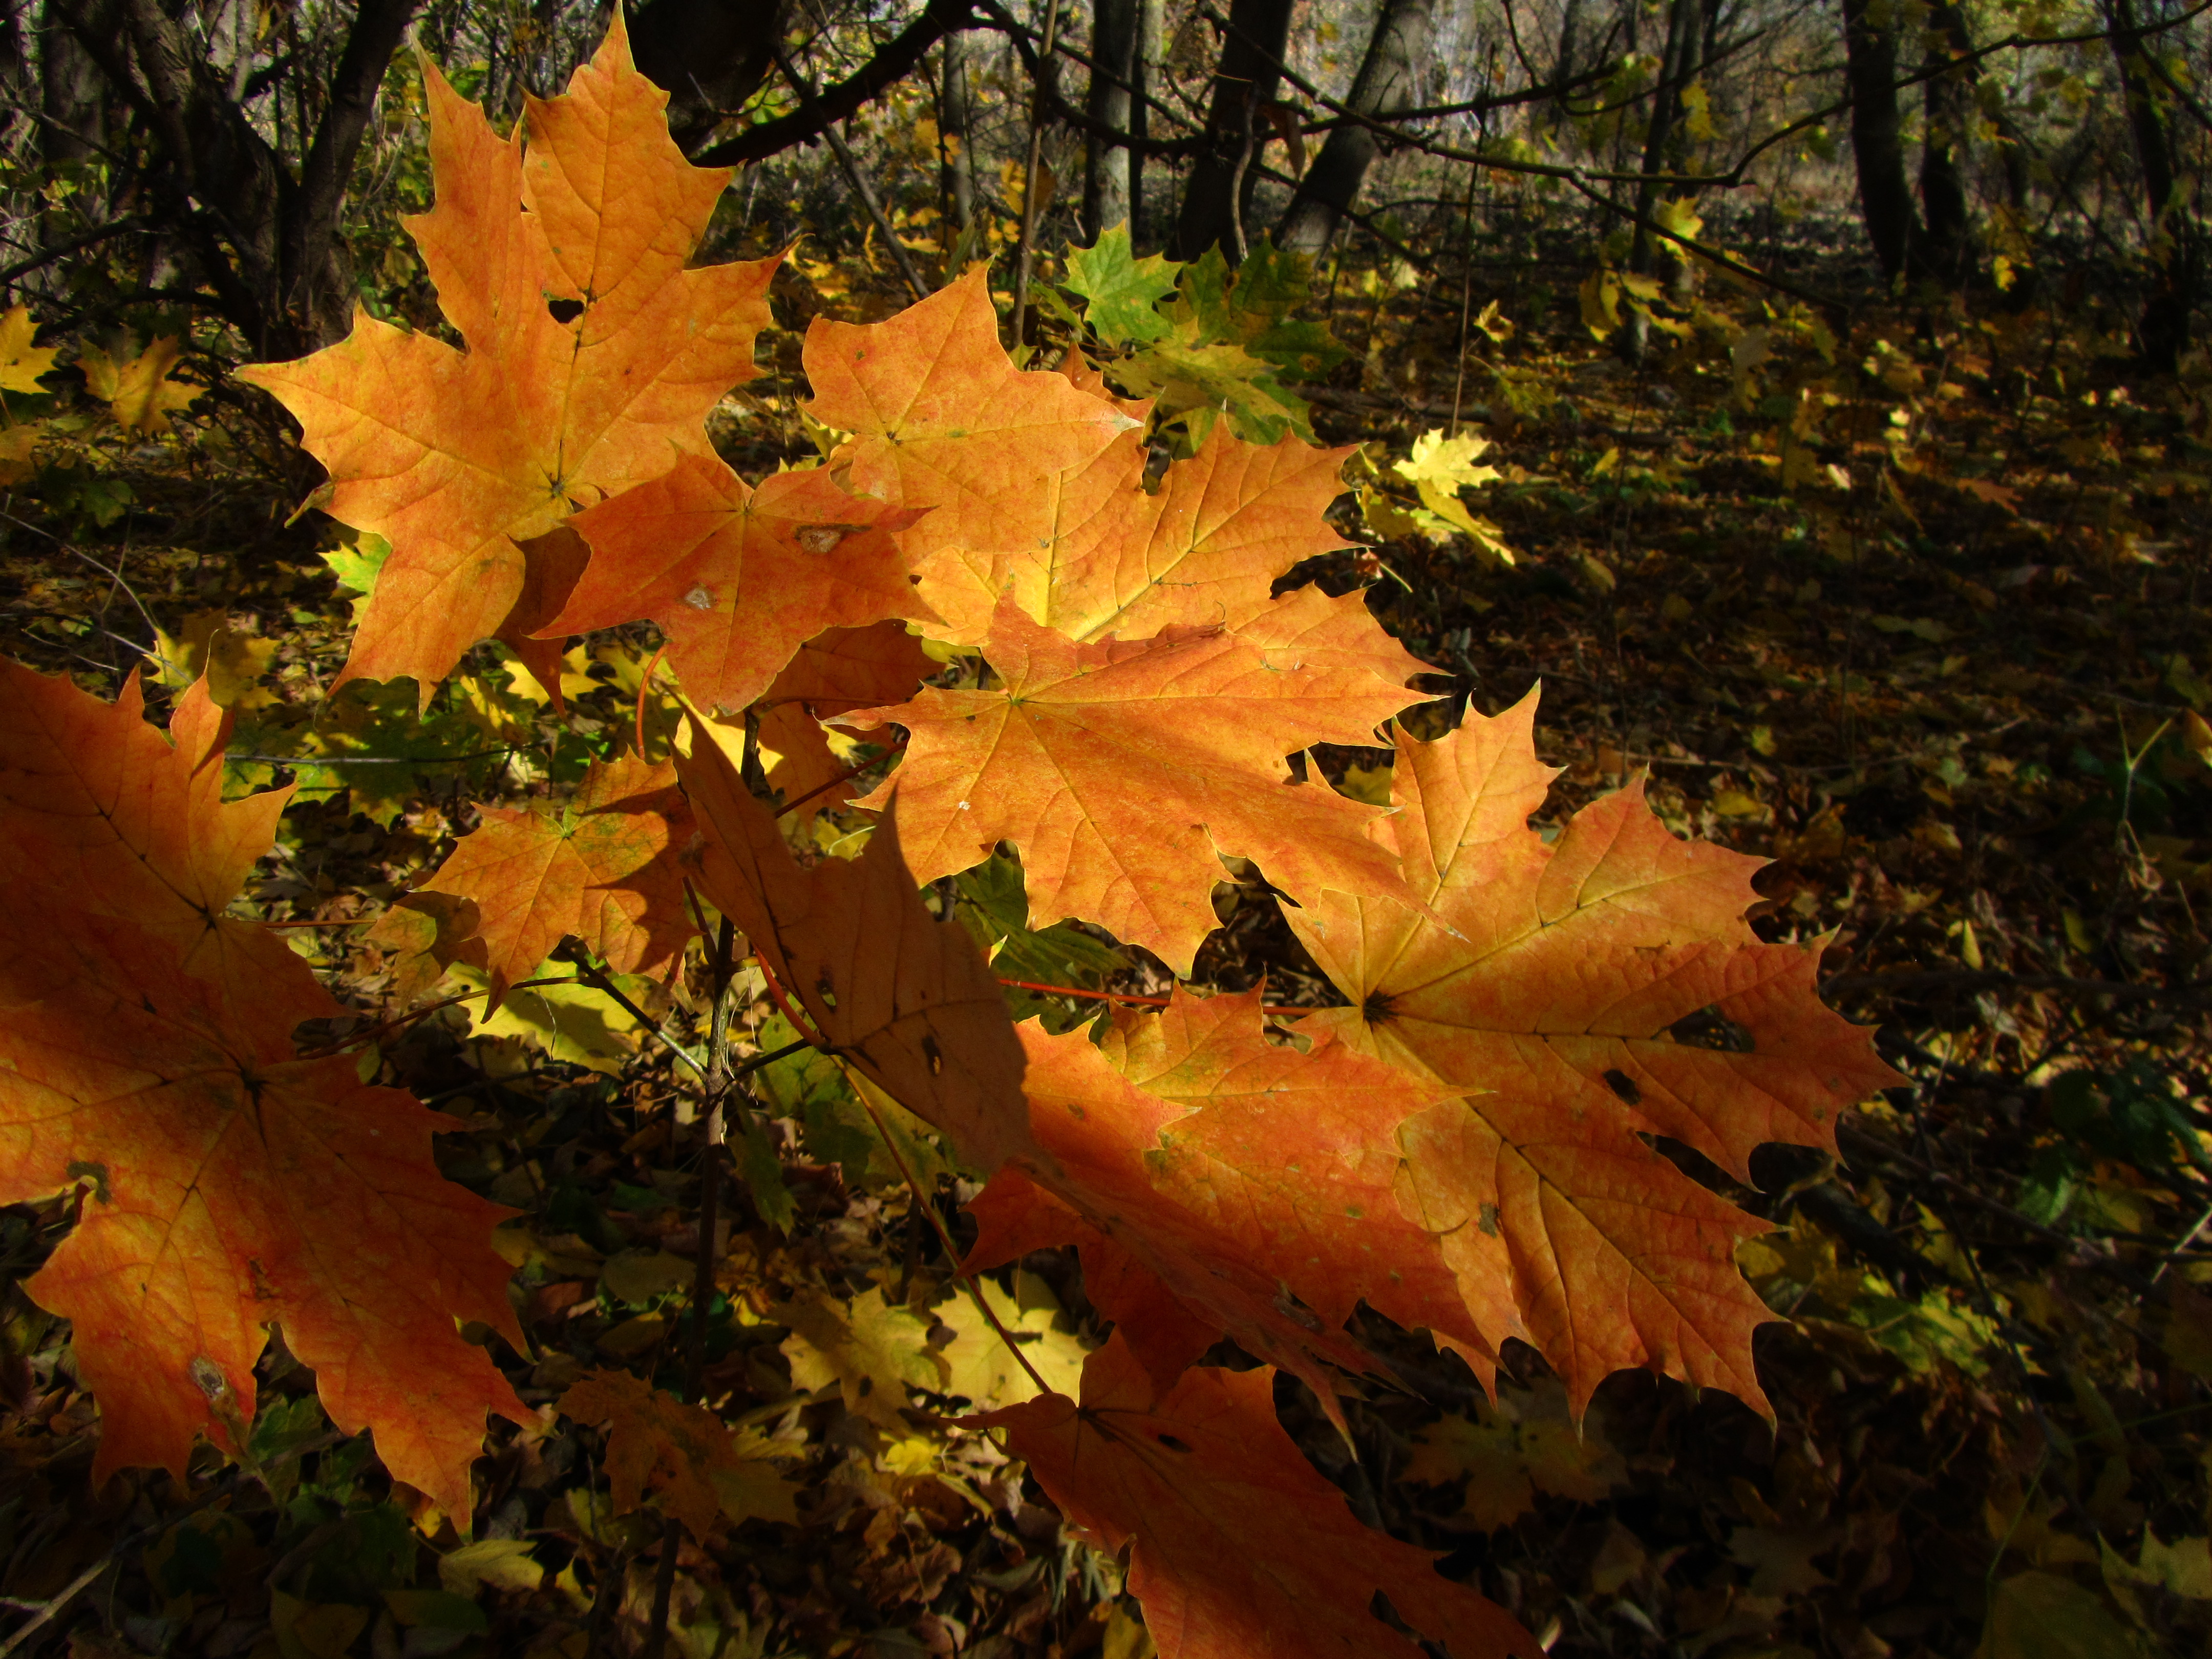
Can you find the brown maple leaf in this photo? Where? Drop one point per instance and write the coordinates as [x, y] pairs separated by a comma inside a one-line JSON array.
[[604, 866], [232, 1188], [1237, 1545], [903, 998], [593, 356], [840, 671], [118, 820], [1124, 771], [1254, 1180], [656, 1442], [738, 579], [1556, 1006]]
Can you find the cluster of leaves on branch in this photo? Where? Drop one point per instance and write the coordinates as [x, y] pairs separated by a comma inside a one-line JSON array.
[[1111, 688]]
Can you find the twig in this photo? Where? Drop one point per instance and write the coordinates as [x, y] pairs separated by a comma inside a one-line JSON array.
[[861, 188]]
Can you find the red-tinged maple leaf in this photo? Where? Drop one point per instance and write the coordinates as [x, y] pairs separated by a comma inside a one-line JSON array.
[[118, 820], [1125, 771], [1557, 1007], [605, 866], [657, 1443], [1254, 1180], [455, 456], [942, 419], [1237, 1545], [233, 1188], [738, 579], [903, 998], [844, 669]]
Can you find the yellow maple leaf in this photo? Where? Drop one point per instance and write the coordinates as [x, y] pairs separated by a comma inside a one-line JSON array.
[[21, 363], [140, 392], [1439, 468]]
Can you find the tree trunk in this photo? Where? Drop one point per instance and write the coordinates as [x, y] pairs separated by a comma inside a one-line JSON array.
[[2162, 333], [955, 122], [1682, 17], [1115, 28], [72, 96], [1218, 195], [1390, 82], [265, 244], [1151, 33], [1877, 137], [1948, 106]]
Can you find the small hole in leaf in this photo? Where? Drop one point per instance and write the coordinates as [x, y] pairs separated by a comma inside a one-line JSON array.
[[1708, 1028], [1624, 1086], [564, 311], [1174, 1445]]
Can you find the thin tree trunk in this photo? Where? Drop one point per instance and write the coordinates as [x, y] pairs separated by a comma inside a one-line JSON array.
[[1116, 25], [1877, 135], [2163, 330], [1218, 195], [1666, 106], [954, 119], [1390, 82], [1948, 105], [1152, 32]]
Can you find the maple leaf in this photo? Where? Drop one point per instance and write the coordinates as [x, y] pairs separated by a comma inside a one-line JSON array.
[[99, 808], [683, 1454], [941, 418], [870, 1349], [903, 998], [235, 1187], [839, 670], [738, 579], [1438, 469], [604, 866], [1554, 1008], [139, 394], [1522, 1443], [1254, 1180], [980, 1367], [1120, 289], [21, 363], [456, 456], [1118, 557], [1125, 771], [1237, 1545]]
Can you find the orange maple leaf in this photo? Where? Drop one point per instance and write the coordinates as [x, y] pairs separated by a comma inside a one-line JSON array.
[[738, 579], [1556, 1009], [942, 419], [235, 1187], [903, 998], [1237, 1545], [118, 820], [1255, 1181], [454, 456], [1125, 771], [1202, 549], [654, 1440], [842, 670], [605, 866]]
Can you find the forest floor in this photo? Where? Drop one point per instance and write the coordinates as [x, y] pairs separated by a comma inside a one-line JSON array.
[[1911, 612]]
